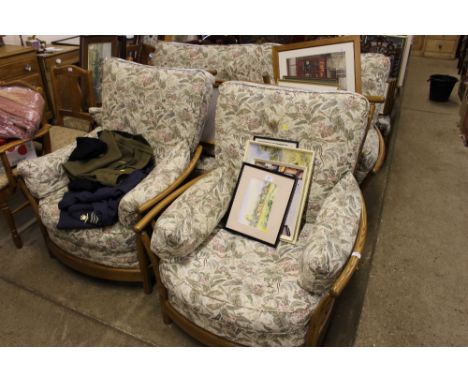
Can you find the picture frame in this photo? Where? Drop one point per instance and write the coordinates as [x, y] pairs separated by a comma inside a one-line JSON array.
[[94, 50], [260, 203], [292, 222], [276, 141], [259, 153], [328, 64]]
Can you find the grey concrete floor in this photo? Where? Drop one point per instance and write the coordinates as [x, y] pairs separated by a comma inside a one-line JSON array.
[[408, 291]]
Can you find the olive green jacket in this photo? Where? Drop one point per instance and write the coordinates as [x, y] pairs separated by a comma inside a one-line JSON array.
[[125, 154]]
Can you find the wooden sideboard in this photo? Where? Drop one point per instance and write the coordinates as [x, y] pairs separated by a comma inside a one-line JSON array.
[[19, 63], [437, 46]]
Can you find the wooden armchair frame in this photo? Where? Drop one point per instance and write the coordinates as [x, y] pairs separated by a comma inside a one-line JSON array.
[[10, 188], [320, 317], [143, 272]]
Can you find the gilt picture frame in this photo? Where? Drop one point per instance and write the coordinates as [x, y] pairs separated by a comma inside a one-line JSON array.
[[328, 64]]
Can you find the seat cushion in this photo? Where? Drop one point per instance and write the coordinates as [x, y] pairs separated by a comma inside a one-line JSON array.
[[112, 246], [63, 136], [242, 290]]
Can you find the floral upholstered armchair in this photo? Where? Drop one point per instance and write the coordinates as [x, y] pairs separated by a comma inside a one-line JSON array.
[[168, 108], [225, 289], [375, 69]]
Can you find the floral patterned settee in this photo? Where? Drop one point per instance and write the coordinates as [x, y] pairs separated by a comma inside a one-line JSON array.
[[168, 107], [227, 289]]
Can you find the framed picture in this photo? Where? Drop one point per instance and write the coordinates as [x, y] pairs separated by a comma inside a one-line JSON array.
[[260, 203], [276, 141], [323, 65], [292, 223], [292, 161], [94, 50]]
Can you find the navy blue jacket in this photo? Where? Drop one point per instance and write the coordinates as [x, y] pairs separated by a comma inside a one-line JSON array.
[[99, 208]]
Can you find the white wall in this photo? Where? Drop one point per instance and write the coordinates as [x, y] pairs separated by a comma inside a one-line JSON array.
[[15, 40]]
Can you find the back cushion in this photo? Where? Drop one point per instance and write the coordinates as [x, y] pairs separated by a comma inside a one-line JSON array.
[[375, 68], [332, 124], [166, 106], [242, 62]]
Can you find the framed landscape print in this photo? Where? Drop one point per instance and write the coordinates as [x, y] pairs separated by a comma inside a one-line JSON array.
[[323, 65], [260, 203], [292, 223], [93, 51], [287, 160]]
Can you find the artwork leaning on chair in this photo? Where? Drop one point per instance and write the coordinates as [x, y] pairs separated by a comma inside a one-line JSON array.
[[227, 289], [167, 107]]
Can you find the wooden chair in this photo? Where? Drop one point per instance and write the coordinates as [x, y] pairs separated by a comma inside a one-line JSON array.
[[8, 180], [73, 93]]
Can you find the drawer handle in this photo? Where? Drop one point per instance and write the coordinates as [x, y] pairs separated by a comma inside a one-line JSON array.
[[58, 61], [28, 67], [151, 56]]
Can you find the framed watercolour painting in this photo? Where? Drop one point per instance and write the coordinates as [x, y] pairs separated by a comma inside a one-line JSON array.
[[292, 161], [93, 51], [260, 203], [323, 65]]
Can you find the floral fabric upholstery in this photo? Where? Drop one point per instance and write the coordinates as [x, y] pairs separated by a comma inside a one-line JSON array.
[[267, 60], [327, 249], [166, 171], [112, 246], [249, 292], [331, 124], [242, 62], [375, 69], [45, 175], [238, 288], [168, 107], [369, 155]]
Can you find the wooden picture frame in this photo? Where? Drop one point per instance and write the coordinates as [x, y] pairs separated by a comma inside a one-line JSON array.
[[328, 64], [260, 203], [93, 51]]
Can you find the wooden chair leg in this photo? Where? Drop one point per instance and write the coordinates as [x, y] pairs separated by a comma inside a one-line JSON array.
[[144, 267], [11, 223]]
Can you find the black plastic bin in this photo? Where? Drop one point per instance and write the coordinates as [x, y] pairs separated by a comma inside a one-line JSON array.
[[441, 87]]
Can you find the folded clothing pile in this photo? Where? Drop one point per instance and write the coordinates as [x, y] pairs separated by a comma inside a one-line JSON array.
[[20, 112], [101, 171]]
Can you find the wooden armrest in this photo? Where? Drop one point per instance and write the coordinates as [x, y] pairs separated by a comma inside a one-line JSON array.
[[7, 146], [352, 263], [191, 166], [376, 99], [163, 204]]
